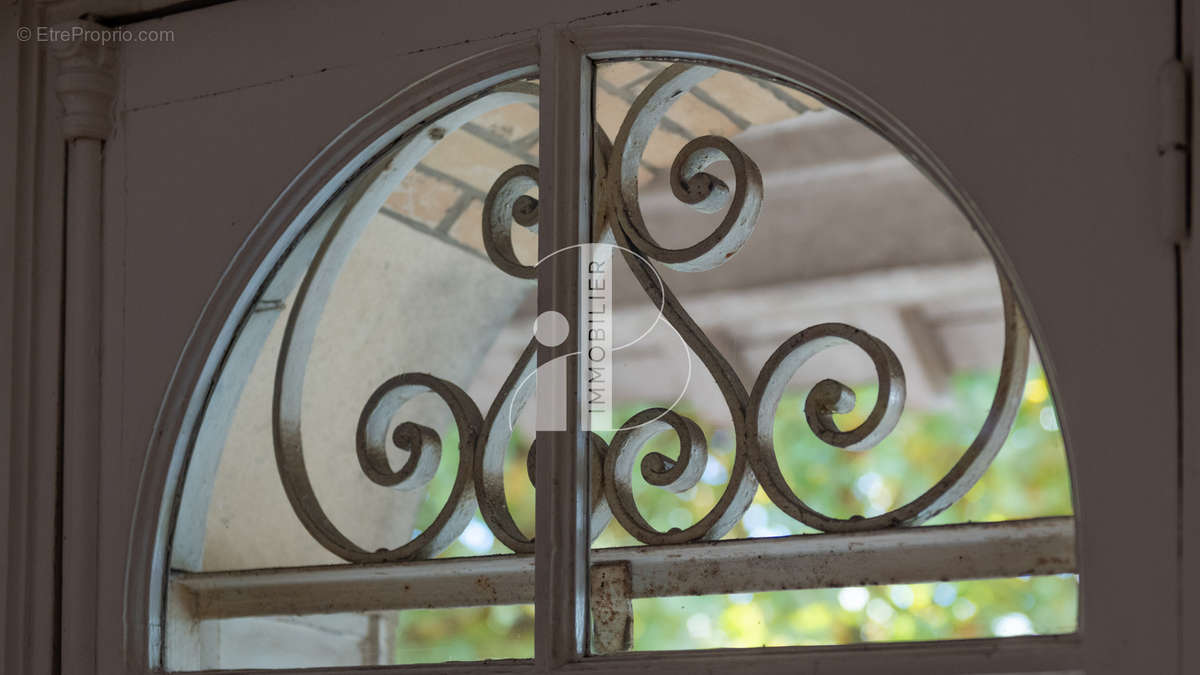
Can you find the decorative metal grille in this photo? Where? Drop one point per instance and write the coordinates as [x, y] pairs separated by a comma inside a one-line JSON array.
[[484, 437], [483, 440]]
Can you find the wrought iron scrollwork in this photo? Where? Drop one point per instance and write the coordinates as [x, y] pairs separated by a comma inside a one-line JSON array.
[[483, 441], [507, 202], [707, 194], [369, 193]]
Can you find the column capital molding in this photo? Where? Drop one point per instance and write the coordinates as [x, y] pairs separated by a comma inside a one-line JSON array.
[[87, 79]]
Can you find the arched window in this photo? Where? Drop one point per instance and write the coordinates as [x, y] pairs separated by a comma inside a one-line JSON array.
[[785, 394]]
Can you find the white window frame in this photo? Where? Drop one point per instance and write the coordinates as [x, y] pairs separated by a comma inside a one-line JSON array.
[[560, 571]]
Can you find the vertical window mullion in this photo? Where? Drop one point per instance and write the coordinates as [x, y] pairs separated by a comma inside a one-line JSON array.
[[561, 558]]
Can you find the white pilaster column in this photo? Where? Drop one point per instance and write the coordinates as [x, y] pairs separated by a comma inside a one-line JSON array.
[[86, 86]]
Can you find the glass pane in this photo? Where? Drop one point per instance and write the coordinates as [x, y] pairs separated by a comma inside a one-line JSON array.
[[901, 612], [856, 365], [342, 429]]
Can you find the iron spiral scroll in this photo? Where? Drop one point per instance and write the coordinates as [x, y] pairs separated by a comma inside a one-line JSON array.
[[484, 439]]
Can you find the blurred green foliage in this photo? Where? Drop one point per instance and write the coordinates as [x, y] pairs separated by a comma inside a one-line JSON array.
[[1028, 479]]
